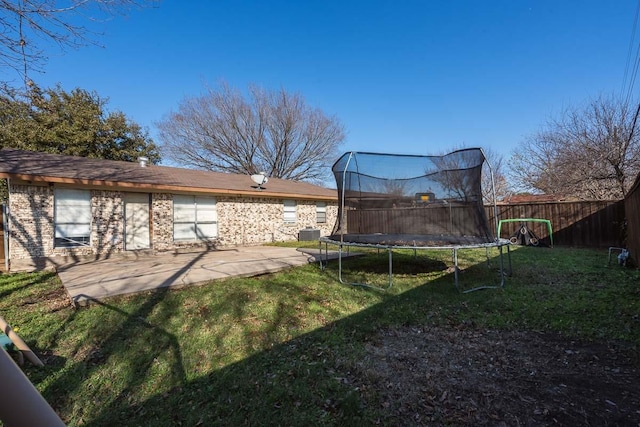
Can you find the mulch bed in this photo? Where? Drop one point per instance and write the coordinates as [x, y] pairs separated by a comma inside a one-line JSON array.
[[463, 376]]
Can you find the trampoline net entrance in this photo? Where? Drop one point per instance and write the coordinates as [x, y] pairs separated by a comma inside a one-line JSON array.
[[411, 200]]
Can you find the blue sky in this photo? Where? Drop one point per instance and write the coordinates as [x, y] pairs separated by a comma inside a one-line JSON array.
[[411, 77]]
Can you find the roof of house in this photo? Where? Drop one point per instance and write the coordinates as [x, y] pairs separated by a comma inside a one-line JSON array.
[[56, 168], [531, 198], [535, 198]]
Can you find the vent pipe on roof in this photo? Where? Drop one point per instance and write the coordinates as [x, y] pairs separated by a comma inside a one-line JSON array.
[[143, 161]]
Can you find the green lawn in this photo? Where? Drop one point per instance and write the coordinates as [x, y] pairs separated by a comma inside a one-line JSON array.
[[270, 350]]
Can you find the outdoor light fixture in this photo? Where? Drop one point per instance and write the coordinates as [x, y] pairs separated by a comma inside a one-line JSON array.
[[260, 178]]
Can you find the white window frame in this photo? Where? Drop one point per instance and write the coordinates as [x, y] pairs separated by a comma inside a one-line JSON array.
[[72, 217], [290, 216], [321, 212], [195, 218]]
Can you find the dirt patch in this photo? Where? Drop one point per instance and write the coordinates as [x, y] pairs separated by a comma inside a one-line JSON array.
[[55, 299], [427, 376], [51, 299]]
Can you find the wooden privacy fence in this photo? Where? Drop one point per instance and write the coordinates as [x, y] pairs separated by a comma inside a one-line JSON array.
[[581, 224], [632, 209], [584, 223], [432, 220]]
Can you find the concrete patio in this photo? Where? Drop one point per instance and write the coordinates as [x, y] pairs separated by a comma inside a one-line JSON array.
[[96, 280]]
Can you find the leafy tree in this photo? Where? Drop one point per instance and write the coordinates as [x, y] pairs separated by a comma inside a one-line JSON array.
[[271, 131], [588, 152], [27, 25], [74, 123]]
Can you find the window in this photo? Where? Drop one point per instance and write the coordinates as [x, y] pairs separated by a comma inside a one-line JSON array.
[[289, 211], [72, 218], [194, 218], [321, 212]]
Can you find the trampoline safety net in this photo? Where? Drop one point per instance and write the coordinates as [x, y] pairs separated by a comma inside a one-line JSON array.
[[411, 200]]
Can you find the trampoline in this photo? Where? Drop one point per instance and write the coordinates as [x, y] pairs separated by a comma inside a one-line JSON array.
[[394, 201]]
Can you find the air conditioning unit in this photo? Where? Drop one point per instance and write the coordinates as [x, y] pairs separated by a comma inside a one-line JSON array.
[[309, 234]]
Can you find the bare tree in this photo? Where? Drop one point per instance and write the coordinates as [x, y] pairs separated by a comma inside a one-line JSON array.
[[26, 26], [271, 131], [453, 173], [494, 180], [456, 179], [588, 152]]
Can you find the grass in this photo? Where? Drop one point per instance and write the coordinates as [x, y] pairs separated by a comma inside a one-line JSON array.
[[274, 349]]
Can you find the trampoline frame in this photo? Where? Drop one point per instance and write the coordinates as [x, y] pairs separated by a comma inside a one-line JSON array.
[[499, 244]]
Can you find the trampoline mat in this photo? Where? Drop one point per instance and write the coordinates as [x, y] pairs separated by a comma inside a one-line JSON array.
[[412, 240]]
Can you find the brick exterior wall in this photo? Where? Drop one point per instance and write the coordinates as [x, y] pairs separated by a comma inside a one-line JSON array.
[[107, 225], [252, 221], [162, 221], [31, 228], [241, 221], [30, 220]]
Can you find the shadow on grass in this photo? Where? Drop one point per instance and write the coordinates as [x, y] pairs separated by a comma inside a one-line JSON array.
[[136, 332], [24, 282], [473, 265], [291, 382], [298, 381]]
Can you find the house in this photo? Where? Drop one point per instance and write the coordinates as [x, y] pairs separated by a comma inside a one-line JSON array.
[[63, 208]]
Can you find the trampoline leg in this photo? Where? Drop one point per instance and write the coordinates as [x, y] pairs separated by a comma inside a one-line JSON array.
[[322, 266], [455, 266], [340, 263], [341, 280], [390, 268], [326, 253], [502, 270]]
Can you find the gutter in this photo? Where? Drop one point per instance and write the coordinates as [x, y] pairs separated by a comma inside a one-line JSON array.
[[162, 187]]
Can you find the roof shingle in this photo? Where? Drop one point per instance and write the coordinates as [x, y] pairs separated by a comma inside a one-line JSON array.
[[37, 166]]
